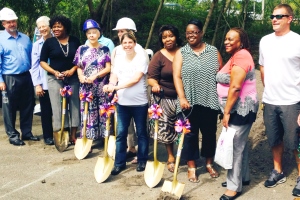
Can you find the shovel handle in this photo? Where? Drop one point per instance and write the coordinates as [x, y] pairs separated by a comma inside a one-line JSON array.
[[63, 110], [155, 139], [106, 136], [178, 157], [86, 105]]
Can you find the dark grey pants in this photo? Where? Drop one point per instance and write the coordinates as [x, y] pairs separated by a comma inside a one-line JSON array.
[[20, 93]]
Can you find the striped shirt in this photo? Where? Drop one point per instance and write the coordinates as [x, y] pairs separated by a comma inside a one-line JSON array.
[[199, 76]]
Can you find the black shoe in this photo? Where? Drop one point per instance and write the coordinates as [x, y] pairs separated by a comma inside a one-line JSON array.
[[141, 166], [49, 141], [130, 154], [225, 197], [17, 142], [224, 184], [117, 170], [32, 138]]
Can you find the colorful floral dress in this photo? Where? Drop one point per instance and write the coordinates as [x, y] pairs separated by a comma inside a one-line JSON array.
[[91, 61]]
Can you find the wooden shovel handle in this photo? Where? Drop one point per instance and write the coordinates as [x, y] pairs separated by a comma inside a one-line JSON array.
[[106, 136], [178, 157], [155, 139], [86, 106], [63, 113]]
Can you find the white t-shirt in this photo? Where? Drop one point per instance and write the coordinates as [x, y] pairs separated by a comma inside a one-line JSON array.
[[280, 57], [125, 71]]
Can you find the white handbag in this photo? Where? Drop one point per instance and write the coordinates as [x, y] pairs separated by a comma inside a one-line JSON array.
[[224, 151]]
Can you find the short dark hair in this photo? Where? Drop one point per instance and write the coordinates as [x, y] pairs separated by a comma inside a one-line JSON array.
[[175, 32], [66, 22], [197, 23], [245, 44]]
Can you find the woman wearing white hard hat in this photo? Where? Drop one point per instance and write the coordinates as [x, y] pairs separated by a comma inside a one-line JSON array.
[[127, 25], [39, 79], [93, 61]]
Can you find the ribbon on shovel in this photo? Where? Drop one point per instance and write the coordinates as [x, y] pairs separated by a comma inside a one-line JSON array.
[[108, 108], [66, 91], [86, 96], [183, 126], [154, 111]]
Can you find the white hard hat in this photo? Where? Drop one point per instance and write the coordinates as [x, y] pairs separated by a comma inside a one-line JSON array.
[[125, 23], [7, 14]]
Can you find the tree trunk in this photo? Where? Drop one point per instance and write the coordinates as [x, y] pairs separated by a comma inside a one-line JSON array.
[[105, 10], [212, 6], [153, 23], [213, 42], [246, 2]]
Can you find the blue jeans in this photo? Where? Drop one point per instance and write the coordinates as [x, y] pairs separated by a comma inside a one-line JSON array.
[[139, 115]]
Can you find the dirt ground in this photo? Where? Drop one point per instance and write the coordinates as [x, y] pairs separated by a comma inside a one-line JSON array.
[[38, 171]]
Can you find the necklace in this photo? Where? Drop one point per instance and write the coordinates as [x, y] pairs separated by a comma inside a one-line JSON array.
[[65, 53]]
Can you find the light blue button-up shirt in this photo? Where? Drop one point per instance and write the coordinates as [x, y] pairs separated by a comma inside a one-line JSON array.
[[38, 74], [15, 54], [105, 42]]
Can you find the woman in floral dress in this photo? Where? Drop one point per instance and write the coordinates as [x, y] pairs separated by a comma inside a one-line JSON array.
[[93, 61]]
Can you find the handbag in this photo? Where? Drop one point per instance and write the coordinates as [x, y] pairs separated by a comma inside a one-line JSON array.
[[224, 151]]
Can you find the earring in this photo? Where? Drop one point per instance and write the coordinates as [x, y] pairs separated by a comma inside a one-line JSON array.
[[241, 46]]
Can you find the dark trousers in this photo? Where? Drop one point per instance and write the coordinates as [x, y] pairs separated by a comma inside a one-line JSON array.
[[46, 115], [203, 119], [20, 95], [139, 115]]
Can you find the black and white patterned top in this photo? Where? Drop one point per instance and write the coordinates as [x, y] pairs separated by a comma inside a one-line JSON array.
[[199, 76]]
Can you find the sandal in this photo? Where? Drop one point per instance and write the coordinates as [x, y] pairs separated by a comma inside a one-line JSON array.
[[212, 172], [192, 175], [171, 166]]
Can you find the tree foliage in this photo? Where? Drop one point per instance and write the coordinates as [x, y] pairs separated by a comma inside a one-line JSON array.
[[250, 14]]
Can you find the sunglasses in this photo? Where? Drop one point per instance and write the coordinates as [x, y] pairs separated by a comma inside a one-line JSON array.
[[278, 16]]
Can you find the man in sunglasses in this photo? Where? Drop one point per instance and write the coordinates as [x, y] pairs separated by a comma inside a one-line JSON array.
[[279, 59]]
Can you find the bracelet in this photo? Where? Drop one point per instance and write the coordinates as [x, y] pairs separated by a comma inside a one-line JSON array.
[[112, 84]]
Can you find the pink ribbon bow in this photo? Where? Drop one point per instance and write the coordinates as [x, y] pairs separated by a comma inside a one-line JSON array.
[[183, 126], [154, 111]]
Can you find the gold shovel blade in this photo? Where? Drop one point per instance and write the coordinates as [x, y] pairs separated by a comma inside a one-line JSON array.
[[103, 168], [174, 188], [82, 147], [153, 173], [61, 140]]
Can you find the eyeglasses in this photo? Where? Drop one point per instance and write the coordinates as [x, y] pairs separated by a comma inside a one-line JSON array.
[[193, 33], [278, 16]]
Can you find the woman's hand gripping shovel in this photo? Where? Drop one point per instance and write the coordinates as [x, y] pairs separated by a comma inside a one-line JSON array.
[[105, 163], [154, 169], [83, 145], [182, 126], [61, 138]]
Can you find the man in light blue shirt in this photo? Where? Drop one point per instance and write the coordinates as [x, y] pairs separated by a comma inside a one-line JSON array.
[[15, 80], [104, 40]]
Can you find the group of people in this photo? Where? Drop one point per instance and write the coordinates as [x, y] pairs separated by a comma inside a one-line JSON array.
[[186, 80]]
